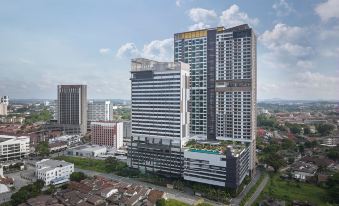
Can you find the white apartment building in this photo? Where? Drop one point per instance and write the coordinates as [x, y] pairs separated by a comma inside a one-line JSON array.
[[100, 111], [160, 94], [223, 71], [160, 117], [108, 134], [3, 109], [12, 147], [53, 171]]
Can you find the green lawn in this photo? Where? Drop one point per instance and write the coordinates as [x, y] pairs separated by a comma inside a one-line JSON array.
[[170, 202], [86, 163], [291, 190]]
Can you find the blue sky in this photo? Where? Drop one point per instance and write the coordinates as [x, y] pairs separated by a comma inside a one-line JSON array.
[[45, 43]]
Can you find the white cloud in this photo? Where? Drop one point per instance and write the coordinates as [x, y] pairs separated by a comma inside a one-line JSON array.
[[128, 50], [202, 15], [25, 61], [305, 64], [178, 3], [271, 62], [234, 17], [198, 26], [328, 33], [295, 49], [331, 52], [104, 50], [284, 38], [282, 8], [328, 10], [303, 85], [316, 80], [161, 50], [281, 33], [267, 87]]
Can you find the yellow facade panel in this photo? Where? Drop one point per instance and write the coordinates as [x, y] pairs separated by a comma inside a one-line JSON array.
[[192, 34], [219, 29]]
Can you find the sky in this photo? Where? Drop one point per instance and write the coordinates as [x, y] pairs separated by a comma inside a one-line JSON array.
[[44, 43]]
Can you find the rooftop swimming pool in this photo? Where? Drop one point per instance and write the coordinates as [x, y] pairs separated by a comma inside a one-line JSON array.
[[204, 151]]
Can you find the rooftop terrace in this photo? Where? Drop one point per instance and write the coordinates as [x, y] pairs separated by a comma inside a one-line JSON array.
[[214, 147]]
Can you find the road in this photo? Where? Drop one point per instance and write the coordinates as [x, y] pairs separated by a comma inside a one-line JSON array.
[[236, 201], [18, 180], [258, 191], [171, 193]]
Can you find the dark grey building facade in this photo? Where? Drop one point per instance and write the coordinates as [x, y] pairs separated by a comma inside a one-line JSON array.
[[72, 107]]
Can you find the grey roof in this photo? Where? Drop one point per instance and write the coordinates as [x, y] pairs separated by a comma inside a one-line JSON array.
[[54, 163], [304, 167]]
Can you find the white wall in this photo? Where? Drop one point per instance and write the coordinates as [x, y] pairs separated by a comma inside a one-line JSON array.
[[120, 134]]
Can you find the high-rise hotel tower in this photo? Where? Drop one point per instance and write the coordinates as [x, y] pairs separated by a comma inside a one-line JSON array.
[[160, 117], [223, 71]]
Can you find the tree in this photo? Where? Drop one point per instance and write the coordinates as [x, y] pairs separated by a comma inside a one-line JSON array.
[[291, 160], [51, 189], [179, 185], [128, 172], [77, 176], [307, 130], [44, 115], [311, 144], [39, 184], [19, 197], [192, 142], [294, 128], [64, 186], [42, 149], [333, 187], [112, 164], [301, 148], [271, 148], [333, 153], [287, 144], [275, 160], [161, 202], [26, 192], [266, 121], [324, 129], [203, 204]]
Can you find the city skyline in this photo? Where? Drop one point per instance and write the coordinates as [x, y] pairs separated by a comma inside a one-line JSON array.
[[92, 43]]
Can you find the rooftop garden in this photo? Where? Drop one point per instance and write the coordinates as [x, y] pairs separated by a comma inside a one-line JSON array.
[[212, 147]]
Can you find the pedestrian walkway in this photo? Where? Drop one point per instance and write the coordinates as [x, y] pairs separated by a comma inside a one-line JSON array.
[[258, 191], [236, 201]]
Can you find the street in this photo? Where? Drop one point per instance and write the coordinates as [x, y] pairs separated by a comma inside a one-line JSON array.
[[236, 201], [258, 191]]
